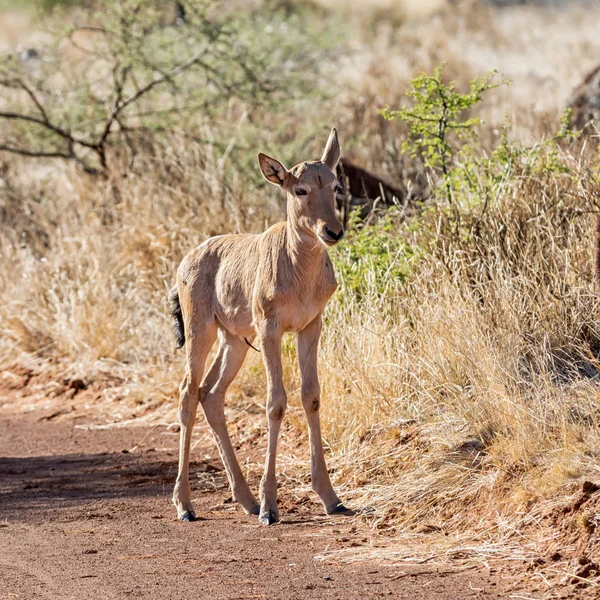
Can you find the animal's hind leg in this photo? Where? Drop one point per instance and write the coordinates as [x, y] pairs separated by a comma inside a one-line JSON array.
[[212, 396], [198, 345]]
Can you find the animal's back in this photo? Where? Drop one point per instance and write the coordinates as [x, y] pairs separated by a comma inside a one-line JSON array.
[[220, 275]]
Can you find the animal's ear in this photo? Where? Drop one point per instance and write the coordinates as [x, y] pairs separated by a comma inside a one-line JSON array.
[[331, 154], [273, 171]]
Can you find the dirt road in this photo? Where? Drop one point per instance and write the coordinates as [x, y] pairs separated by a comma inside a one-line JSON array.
[[86, 513]]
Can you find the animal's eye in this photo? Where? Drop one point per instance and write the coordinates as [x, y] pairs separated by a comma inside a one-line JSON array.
[[300, 192]]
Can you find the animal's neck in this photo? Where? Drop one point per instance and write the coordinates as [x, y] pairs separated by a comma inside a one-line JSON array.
[[306, 252]]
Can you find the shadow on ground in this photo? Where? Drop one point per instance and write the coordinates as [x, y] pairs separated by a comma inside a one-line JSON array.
[[41, 483]]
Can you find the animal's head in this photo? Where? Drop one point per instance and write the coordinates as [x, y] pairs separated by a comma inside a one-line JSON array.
[[311, 188]]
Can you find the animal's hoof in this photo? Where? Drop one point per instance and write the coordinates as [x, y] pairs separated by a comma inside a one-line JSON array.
[[267, 518], [255, 510], [188, 515], [340, 509]]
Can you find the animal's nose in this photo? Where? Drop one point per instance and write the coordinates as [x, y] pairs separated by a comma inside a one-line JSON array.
[[334, 236]]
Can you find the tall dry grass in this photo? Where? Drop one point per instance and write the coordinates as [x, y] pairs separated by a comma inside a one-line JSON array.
[[471, 388], [462, 396]]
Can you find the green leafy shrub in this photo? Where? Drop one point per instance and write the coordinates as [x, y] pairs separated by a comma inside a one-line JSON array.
[[438, 121], [372, 257]]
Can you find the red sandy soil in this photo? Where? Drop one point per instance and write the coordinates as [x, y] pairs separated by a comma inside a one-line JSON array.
[[86, 513]]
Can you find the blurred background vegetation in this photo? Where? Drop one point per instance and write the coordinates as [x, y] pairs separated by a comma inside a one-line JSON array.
[[460, 361]]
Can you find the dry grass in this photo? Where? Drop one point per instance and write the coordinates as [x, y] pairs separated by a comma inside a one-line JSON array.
[[464, 399]]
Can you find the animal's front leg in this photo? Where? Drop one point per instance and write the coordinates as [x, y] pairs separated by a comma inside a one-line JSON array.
[[308, 344], [270, 337]]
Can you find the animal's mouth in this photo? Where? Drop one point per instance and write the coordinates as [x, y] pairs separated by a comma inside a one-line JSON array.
[[326, 241], [329, 238]]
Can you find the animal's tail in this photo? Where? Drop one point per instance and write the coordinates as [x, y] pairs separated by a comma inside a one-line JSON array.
[[176, 312]]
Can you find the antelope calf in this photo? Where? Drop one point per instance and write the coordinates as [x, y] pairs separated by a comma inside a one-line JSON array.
[[242, 287]]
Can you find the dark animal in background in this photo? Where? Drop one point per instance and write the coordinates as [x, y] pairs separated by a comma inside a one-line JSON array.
[[361, 189], [585, 117], [585, 103]]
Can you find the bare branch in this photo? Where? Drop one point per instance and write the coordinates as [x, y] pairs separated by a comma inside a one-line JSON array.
[[196, 59], [36, 153], [20, 84], [48, 125], [114, 114], [120, 104]]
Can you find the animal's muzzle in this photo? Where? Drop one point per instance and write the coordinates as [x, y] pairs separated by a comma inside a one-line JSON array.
[[333, 237]]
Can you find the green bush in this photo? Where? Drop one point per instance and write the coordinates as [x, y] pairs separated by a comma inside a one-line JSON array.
[[372, 257], [439, 122]]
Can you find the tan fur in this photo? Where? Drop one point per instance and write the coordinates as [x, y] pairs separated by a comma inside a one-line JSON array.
[[242, 287]]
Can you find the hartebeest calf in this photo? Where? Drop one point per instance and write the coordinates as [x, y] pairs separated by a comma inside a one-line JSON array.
[[242, 287]]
